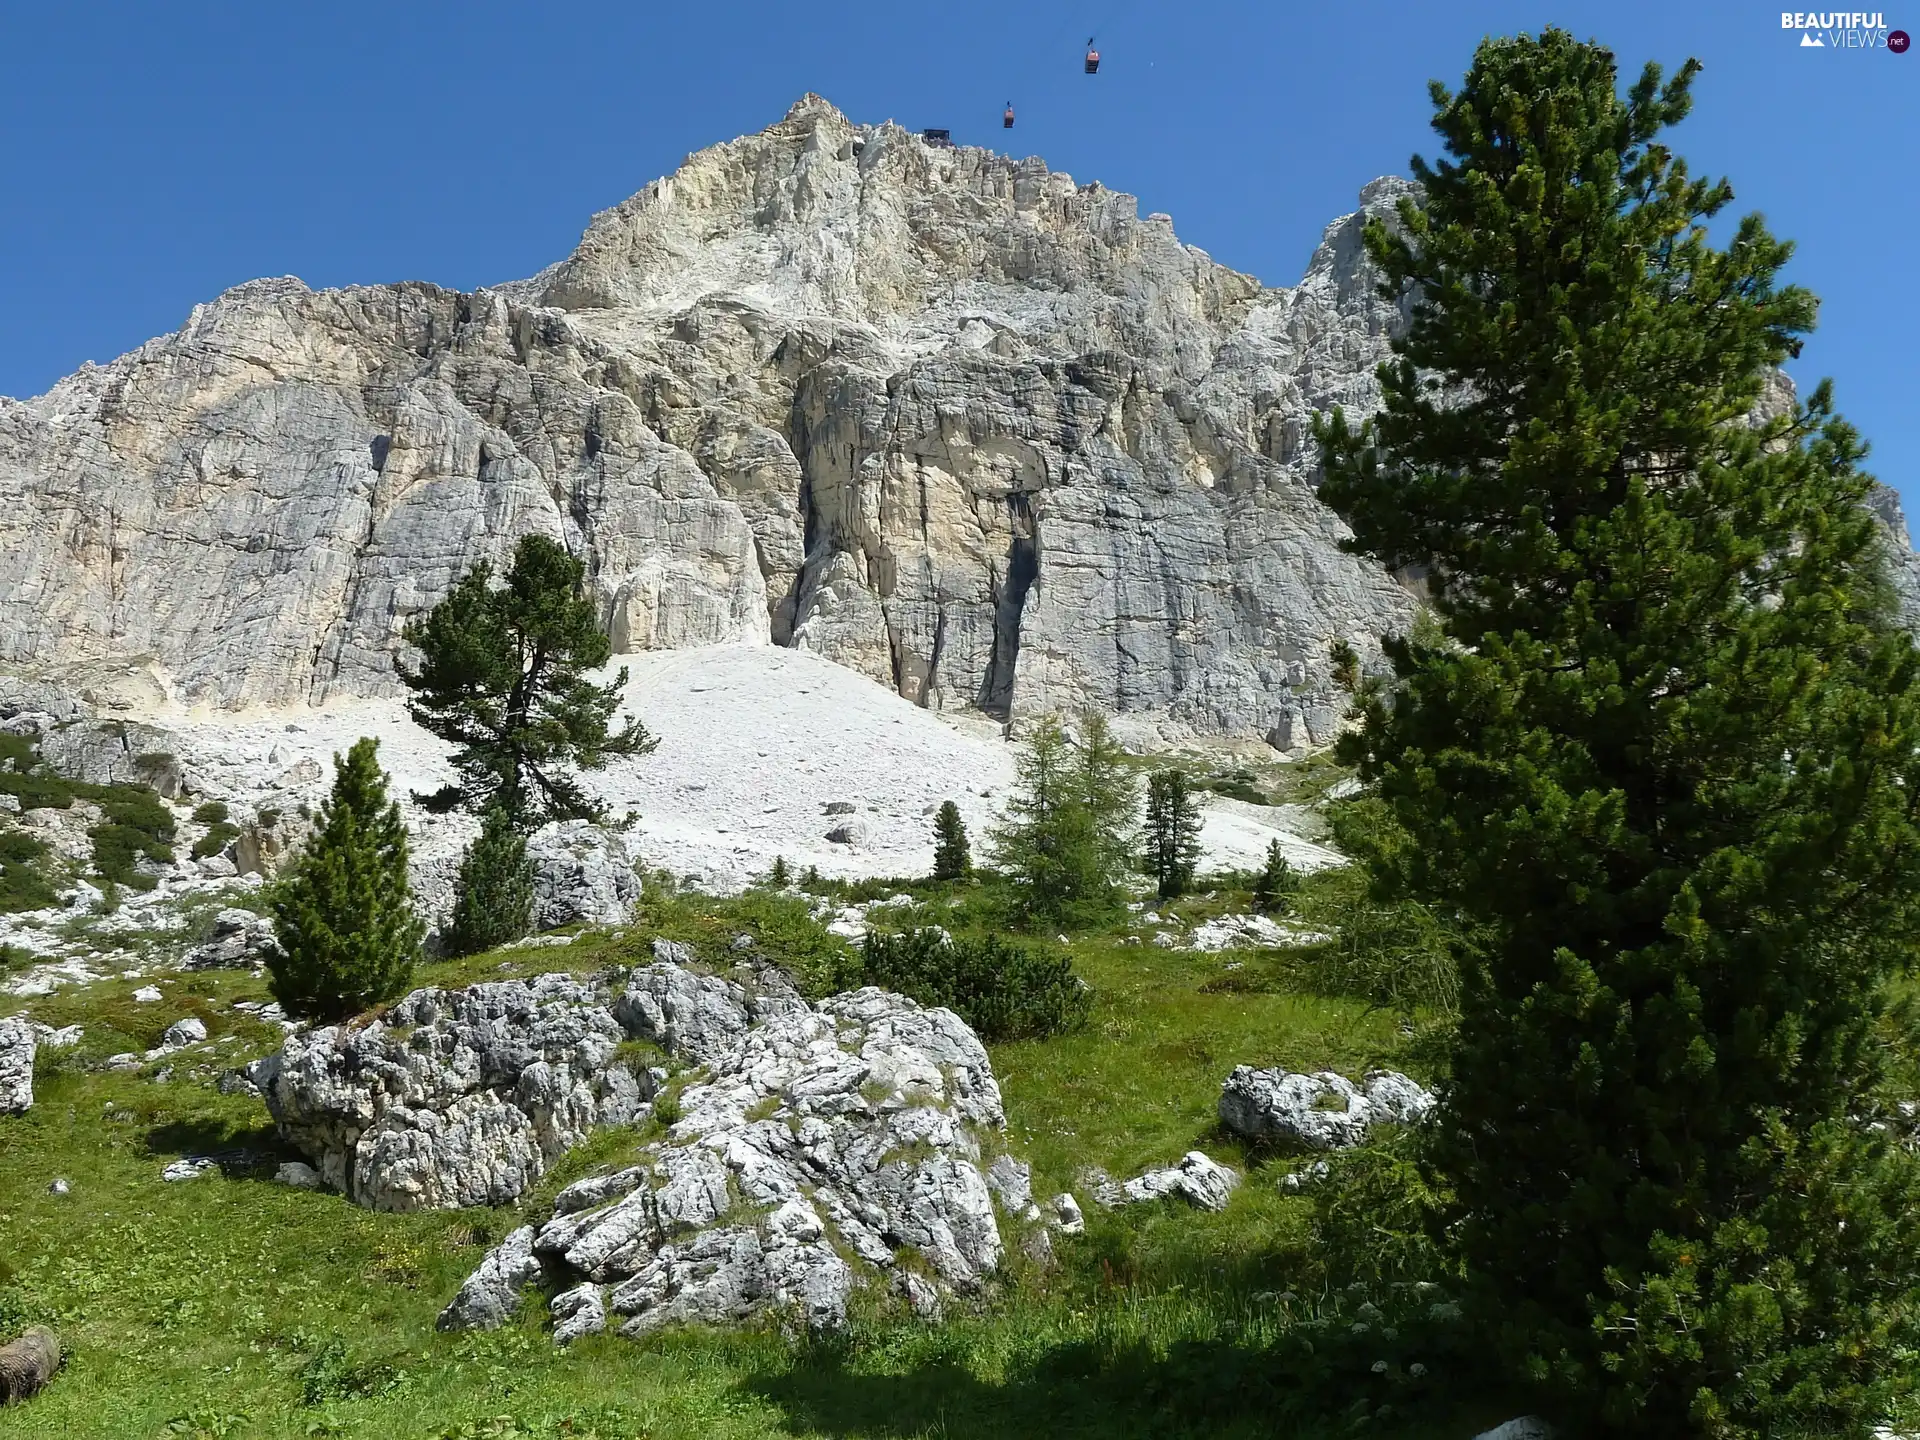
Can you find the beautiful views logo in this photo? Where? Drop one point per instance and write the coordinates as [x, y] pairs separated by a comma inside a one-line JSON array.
[[1843, 30]]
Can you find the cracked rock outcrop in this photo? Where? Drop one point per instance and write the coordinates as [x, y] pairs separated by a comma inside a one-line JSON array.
[[945, 416], [17, 1045], [814, 1146], [582, 874], [453, 1097]]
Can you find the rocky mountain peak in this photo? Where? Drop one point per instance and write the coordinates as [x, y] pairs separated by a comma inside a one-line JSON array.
[[942, 415]]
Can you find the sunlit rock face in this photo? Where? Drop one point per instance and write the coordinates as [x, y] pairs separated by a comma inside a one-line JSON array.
[[946, 417]]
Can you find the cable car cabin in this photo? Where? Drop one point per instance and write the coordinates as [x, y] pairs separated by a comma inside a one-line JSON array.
[[1093, 59], [939, 139], [1006, 120]]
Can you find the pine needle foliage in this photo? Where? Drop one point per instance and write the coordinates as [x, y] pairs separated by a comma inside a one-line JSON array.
[[1662, 772], [503, 676], [493, 893], [1065, 840], [1172, 833], [346, 936], [1276, 885], [1004, 991], [952, 854]]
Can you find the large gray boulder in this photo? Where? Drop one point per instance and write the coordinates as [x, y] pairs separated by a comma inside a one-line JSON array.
[[453, 1097], [1321, 1111], [821, 1142], [17, 1046], [582, 874]]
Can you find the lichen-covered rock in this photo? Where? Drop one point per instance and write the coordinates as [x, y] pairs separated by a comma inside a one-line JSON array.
[[17, 1046], [454, 1097], [1322, 1111], [822, 1140], [684, 1012], [582, 874]]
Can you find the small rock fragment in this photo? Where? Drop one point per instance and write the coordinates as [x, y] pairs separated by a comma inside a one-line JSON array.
[[298, 1174], [1069, 1220], [190, 1031], [579, 1311]]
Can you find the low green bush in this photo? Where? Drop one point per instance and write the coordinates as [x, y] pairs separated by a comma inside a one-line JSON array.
[[210, 812], [1238, 785], [23, 885], [1005, 992], [218, 835], [785, 933], [137, 824]]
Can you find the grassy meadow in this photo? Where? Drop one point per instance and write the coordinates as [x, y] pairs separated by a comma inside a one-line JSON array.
[[233, 1306]]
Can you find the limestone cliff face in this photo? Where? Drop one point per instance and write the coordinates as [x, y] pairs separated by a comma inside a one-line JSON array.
[[950, 419]]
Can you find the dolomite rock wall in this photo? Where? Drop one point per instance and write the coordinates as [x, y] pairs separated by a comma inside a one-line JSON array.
[[943, 416]]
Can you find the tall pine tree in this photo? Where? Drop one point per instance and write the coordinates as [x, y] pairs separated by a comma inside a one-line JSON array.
[[345, 931], [1065, 838], [1661, 769], [503, 676], [1173, 832]]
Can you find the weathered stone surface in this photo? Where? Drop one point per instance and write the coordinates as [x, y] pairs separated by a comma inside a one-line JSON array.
[[240, 940], [1322, 1111], [582, 874], [182, 1033], [492, 1293], [453, 1098], [298, 1175], [17, 1046], [27, 1364], [963, 424], [1197, 1179], [822, 1140]]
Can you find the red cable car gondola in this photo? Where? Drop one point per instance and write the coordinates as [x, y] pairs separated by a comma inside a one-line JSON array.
[[1006, 120], [1093, 58]]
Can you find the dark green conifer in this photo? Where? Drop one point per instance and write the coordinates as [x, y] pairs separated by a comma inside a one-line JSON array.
[[952, 855], [503, 676], [1065, 840], [1173, 832], [345, 931], [1277, 882], [1661, 774], [493, 895]]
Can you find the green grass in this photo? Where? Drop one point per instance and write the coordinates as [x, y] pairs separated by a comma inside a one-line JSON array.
[[232, 1306]]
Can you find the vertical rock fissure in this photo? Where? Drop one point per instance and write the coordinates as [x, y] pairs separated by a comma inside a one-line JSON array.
[[1010, 599]]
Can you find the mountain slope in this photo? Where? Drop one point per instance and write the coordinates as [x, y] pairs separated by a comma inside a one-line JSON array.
[[942, 416]]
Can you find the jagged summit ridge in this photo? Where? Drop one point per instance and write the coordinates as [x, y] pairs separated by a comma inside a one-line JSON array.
[[944, 416]]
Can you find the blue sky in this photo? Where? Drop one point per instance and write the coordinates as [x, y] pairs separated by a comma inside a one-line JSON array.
[[156, 154]]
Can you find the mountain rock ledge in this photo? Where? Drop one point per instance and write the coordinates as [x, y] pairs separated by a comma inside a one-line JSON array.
[[943, 416]]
